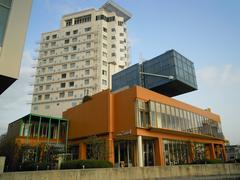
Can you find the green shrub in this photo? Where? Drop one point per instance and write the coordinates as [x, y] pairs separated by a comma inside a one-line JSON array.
[[80, 164], [215, 161], [33, 166]]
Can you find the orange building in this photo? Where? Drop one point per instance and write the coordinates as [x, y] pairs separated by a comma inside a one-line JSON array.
[[143, 128]]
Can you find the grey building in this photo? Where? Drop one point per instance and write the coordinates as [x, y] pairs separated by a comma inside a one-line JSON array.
[[170, 74], [14, 16]]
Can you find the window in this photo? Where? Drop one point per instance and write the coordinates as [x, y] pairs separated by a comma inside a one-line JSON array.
[[67, 33], [104, 72], [104, 45], [87, 53], [87, 29], [70, 93], [104, 37], [113, 54], [113, 37], [66, 49], [48, 86], [87, 62], [113, 30], [75, 31], [68, 22], [104, 29], [121, 42], [63, 85], [61, 95], [121, 34], [104, 63], [71, 74], [65, 57], [104, 82], [64, 76], [87, 72], [47, 106], [72, 65], [47, 37], [88, 45], [40, 88], [74, 104], [71, 84], [74, 48], [120, 23], [39, 97], [49, 78], [89, 36], [121, 50], [41, 78], [50, 60], [64, 66], [83, 19], [104, 54], [46, 45], [73, 56], [52, 52], [86, 81], [113, 46], [47, 96], [50, 68], [35, 108], [43, 70], [66, 41], [54, 36], [53, 43], [74, 39]]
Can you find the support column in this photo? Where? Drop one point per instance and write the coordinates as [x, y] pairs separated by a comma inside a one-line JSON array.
[[110, 148], [49, 129], [192, 152], [212, 150], [159, 152], [29, 128], [140, 151], [82, 151], [224, 153], [58, 131]]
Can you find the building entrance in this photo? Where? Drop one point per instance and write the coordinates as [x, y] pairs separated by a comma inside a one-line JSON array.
[[124, 153], [148, 153]]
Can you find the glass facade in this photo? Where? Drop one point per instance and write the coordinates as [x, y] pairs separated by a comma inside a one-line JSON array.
[[158, 115], [128, 77], [5, 6], [176, 152], [170, 63]]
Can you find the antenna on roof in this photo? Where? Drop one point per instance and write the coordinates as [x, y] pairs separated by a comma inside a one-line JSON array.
[[141, 58]]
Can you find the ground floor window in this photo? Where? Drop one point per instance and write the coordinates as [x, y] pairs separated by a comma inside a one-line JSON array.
[[124, 153], [176, 152]]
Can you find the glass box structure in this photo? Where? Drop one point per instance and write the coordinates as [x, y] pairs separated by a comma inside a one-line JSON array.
[[170, 64]]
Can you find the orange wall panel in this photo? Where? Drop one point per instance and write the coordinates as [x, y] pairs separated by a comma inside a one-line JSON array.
[[89, 118]]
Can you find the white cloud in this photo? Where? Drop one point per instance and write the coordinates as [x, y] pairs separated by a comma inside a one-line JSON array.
[[218, 88], [13, 101]]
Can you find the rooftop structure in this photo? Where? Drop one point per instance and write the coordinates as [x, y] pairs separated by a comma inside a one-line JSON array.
[[170, 74]]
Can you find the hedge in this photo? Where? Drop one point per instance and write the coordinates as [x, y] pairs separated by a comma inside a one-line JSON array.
[[81, 164], [33, 166]]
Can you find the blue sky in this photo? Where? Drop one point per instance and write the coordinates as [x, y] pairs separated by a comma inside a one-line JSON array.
[[206, 32]]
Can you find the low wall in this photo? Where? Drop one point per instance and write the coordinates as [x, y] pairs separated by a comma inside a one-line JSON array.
[[2, 162], [133, 173]]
